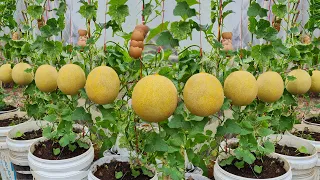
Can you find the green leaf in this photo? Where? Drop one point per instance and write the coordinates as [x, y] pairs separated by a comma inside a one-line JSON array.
[[35, 11], [117, 2], [291, 78], [318, 106], [227, 161], [56, 151], [67, 138], [269, 147], [265, 132], [46, 132], [180, 30], [119, 13], [303, 149], [239, 164], [263, 118], [183, 9], [257, 169], [52, 48], [155, 31], [279, 10], [88, 11], [18, 134], [50, 118], [230, 126], [83, 144], [177, 139], [190, 2], [147, 9], [165, 38], [135, 173], [256, 10], [62, 9], [245, 155], [155, 143], [226, 104], [80, 114], [119, 175], [72, 147]]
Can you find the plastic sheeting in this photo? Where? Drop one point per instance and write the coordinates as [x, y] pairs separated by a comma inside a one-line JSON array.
[[241, 35]]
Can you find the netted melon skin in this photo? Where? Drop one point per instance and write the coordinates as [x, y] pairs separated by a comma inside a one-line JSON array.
[[203, 94], [241, 87], [154, 98], [102, 85], [270, 87], [301, 84], [71, 78]]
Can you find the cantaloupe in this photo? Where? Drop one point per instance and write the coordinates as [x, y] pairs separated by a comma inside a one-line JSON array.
[[315, 81], [203, 94], [102, 85], [46, 78], [301, 84], [154, 98], [19, 75], [6, 73], [71, 78], [270, 87], [241, 87]]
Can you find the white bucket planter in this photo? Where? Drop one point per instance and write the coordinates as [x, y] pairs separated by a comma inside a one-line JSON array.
[[195, 176], [13, 110], [221, 174], [5, 164], [309, 123], [72, 168], [303, 168], [316, 144], [18, 149], [108, 159]]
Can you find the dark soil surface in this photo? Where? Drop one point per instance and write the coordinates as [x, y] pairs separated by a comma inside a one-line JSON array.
[[30, 135], [44, 150], [289, 151], [8, 108], [107, 171], [271, 168], [315, 120], [313, 136], [12, 121]]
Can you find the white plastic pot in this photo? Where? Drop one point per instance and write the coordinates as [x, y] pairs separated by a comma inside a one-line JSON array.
[[72, 168], [108, 159], [303, 168], [6, 167], [221, 174], [303, 121], [4, 130], [18, 149], [13, 110], [195, 176], [316, 144]]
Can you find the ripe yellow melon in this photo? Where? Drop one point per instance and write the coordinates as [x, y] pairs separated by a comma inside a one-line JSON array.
[[102, 85], [71, 78], [301, 84], [46, 78], [154, 98], [241, 87], [203, 94], [6, 73], [315, 81], [270, 87], [19, 75]]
